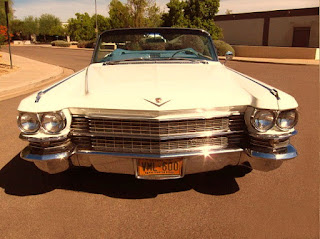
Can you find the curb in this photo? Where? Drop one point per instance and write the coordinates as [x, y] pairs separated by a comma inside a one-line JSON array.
[[35, 86], [68, 48], [285, 62], [54, 47]]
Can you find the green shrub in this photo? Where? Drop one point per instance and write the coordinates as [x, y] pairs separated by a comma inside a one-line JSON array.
[[63, 44], [60, 43], [222, 47], [86, 44], [53, 43]]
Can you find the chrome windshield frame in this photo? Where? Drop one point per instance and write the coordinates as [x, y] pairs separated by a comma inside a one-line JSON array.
[[167, 30]]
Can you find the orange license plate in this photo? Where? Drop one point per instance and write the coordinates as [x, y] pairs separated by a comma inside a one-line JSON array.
[[152, 167]]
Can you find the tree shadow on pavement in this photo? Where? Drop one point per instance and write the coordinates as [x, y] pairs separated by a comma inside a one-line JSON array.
[[22, 178]]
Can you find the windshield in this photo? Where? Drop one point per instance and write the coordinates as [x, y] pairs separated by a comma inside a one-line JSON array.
[[154, 44]]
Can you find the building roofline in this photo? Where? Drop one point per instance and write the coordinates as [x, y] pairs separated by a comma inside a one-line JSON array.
[[269, 14]]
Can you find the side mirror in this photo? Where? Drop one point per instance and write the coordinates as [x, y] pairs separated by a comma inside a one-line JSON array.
[[229, 56]]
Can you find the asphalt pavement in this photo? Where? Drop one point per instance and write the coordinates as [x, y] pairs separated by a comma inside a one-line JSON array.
[[230, 203]]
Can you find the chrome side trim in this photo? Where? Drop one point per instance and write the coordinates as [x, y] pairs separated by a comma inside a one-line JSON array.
[[155, 156], [290, 154], [178, 136], [38, 97], [41, 93], [273, 91]]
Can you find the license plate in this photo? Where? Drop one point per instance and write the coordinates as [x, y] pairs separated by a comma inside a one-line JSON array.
[[153, 167]]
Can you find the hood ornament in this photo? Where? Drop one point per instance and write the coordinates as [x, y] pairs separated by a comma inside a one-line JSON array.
[[158, 101]]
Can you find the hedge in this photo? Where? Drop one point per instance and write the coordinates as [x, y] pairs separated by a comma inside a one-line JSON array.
[[60, 43], [222, 47], [86, 44]]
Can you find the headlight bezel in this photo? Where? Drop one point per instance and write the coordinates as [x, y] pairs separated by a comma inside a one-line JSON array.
[[253, 118], [63, 121], [35, 116], [294, 122], [275, 124], [41, 128]]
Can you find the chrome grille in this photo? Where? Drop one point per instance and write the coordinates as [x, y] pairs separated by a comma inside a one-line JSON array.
[[149, 146], [156, 137], [156, 147], [236, 123], [148, 128]]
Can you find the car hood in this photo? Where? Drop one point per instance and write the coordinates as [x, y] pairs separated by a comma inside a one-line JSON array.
[[157, 86]]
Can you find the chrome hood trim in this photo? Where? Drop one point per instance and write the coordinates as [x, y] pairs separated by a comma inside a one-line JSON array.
[[160, 115]]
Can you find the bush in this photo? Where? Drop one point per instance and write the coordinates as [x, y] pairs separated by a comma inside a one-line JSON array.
[[60, 43], [86, 44], [3, 35], [63, 44], [222, 47], [53, 43]]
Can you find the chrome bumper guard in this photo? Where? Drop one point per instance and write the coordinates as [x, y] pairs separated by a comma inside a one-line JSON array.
[[290, 153], [50, 163]]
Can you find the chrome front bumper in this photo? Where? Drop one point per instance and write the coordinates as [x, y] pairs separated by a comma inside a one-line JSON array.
[[126, 163]]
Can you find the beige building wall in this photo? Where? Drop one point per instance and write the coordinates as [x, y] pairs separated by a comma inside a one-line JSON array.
[[242, 32], [281, 30]]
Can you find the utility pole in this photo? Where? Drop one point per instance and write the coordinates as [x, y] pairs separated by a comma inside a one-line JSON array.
[[95, 3], [6, 6]]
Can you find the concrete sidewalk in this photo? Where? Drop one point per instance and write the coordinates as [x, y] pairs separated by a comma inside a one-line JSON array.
[[28, 76]]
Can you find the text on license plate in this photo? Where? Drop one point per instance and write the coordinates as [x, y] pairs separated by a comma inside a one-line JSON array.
[[159, 167]]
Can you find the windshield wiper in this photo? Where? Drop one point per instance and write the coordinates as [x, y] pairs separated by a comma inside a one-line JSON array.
[[187, 59], [156, 59], [125, 60]]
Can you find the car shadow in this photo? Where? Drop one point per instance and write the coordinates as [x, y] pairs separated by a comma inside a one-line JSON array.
[[22, 178]]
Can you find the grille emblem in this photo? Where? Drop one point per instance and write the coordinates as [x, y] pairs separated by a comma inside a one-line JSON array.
[[158, 102]]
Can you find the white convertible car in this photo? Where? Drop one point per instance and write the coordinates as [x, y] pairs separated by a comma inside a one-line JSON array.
[[158, 104]]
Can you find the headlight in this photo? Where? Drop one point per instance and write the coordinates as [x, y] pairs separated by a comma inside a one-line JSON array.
[[28, 123], [287, 119], [53, 122], [263, 120]]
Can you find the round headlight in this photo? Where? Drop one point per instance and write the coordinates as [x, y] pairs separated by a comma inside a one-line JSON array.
[[287, 119], [263, 120], [28, 123], [53, 122]]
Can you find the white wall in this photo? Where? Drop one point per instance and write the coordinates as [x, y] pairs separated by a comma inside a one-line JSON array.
[[281, 30], [242, 32]]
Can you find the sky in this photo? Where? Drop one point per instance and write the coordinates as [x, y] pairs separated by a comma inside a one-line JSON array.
[[65, 9]]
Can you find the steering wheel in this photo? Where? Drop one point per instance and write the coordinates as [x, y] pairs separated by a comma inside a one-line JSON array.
[[187, 51]]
